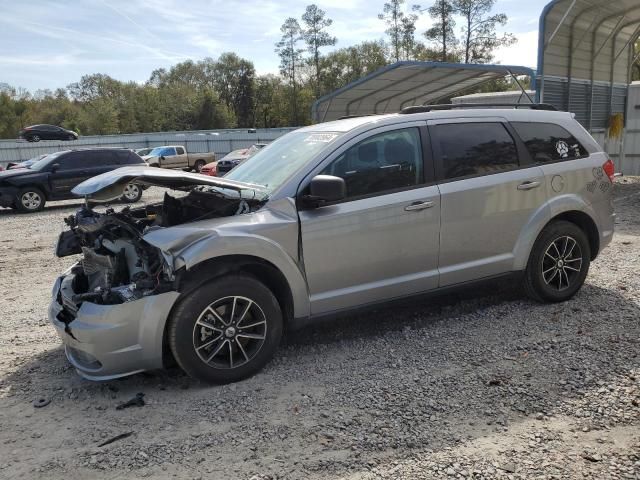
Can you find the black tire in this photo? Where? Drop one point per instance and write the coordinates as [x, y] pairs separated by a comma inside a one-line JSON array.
[[34, 138], [132, 193], [186, 332], [71, 137], [30, 199], [554, 273], [198, 165]]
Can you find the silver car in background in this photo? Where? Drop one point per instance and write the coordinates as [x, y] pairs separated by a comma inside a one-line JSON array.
[[326, 219]]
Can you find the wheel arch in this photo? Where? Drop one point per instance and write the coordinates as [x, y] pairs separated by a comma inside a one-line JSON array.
[[567, 208], [40, 188], [268, 273]]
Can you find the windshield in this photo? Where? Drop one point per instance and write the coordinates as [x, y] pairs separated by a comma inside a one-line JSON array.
[[275, 163], [43, 162], [160, 151]]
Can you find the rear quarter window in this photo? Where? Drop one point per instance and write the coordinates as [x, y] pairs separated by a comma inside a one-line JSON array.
[[126, 157], [549, 142]]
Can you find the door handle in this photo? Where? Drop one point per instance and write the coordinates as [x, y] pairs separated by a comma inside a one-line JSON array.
[[528, 185], [419, 206]]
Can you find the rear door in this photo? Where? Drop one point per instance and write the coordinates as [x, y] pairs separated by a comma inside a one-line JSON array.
[[489, 190], [381, 241]]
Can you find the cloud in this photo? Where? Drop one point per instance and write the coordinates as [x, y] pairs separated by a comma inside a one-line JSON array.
[[524, 52]]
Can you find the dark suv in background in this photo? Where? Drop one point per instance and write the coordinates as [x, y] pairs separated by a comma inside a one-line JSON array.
[[35, 133], [54, 176]]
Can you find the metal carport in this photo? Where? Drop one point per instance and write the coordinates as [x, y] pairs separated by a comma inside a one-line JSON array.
[[401, 84], [585, 54]]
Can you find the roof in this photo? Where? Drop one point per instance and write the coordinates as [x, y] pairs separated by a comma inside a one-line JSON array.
[[405, 83], [588, 39], [365, 123], [585, 53]]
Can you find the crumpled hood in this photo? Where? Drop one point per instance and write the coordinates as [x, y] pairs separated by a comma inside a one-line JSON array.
[[110, 185]]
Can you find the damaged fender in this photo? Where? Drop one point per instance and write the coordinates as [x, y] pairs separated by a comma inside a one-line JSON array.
[[268, 234]]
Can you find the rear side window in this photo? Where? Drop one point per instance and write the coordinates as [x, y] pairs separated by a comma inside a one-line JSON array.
[[470, 149], [127, 157], [88, 159], [180, 150], [548, 142], [383, 162]]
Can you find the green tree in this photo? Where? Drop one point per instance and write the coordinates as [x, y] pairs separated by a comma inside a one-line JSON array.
[[392, 16], [316, 37], [290, 59], [345, 65], [479, 37], [441, 33]]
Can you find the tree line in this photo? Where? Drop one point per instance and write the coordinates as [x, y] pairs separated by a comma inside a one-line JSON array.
[[227, 92]]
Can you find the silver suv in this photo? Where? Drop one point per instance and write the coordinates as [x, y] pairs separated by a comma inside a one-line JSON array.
[[328, 218]]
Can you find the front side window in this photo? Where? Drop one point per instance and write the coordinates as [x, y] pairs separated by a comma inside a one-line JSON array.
[[163, 152], [383, 162], [471, 149], [548, 142]]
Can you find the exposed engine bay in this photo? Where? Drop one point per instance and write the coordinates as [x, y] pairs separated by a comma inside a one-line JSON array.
[[117, 265]]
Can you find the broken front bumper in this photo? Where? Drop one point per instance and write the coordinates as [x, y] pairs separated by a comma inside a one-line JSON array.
[[109, 341]]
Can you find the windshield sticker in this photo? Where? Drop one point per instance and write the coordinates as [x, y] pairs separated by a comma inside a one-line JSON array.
[[320, 137]]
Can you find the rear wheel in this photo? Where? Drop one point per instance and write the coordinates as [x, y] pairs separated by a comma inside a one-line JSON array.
[[226, 330], [34, 138], [30, 199], [558, 264], [131, 193], [71, 137], [198, 165]]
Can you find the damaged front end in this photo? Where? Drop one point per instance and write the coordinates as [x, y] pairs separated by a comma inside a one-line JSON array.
[[111, 306]]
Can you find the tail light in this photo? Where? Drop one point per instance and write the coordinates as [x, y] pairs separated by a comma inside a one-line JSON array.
[[609, 168]]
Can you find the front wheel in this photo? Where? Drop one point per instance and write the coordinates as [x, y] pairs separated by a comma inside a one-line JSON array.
[[131, 193], [29, 200], [34, 138], [558, 264], [226, 330]]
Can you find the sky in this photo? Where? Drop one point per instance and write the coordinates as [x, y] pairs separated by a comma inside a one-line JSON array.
[[52, 43]]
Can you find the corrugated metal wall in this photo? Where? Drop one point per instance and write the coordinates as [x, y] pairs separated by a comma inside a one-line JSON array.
[[626, 153], [219, 141], [592, 109]]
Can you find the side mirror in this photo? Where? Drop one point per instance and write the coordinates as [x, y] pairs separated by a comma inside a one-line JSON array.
[[325, 188], [162, 157], [55, 167]]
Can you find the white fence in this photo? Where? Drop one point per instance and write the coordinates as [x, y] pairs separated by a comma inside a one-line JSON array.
[[219, 141]]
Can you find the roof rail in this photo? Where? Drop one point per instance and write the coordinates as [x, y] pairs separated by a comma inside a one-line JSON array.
[[451, 106], [344, 117]]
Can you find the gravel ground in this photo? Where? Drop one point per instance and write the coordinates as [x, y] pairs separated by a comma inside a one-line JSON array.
[[483, 384]]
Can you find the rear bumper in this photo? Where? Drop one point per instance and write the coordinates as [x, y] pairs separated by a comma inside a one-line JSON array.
[[109, 341], [8, 196]]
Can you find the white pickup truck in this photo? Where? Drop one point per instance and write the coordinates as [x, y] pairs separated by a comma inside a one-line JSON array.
[[176, 156]]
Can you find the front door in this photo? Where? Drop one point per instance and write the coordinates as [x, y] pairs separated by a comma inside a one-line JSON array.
[[381, 242], [489, 190], [76, 167]]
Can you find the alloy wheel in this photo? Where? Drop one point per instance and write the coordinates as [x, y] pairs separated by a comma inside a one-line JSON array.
[[31, 200], [230, 332], [562, 263], [131, 192]]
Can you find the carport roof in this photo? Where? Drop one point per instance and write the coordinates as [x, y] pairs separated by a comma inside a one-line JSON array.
[[590, 40], [405, 83]]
